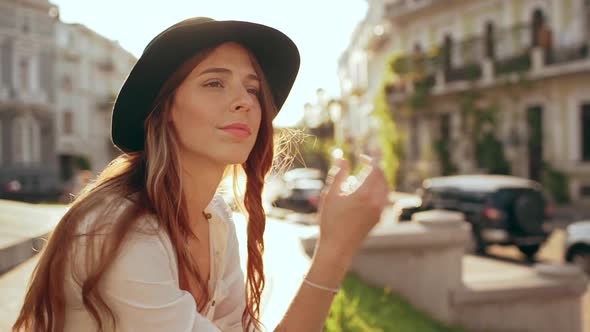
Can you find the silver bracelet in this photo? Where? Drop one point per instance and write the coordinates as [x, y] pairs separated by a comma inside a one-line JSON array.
[[328, 289]]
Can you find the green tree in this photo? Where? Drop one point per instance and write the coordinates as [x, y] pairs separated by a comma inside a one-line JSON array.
[[389, 137]]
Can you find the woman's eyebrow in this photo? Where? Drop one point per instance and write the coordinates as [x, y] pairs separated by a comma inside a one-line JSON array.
[[226, 71]]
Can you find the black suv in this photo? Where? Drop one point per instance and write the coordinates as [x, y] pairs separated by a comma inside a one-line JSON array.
[[501, 209]]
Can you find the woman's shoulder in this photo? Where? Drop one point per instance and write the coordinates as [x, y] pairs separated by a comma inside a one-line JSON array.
[[105, 213]]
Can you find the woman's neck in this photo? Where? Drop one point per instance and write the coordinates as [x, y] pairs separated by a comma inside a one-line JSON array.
[[200, 180]]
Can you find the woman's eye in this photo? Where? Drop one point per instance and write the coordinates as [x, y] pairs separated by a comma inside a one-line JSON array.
[[215, 84], [254, 91]]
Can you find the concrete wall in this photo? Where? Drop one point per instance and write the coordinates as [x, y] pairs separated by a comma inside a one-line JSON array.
[[424, 261], [420, 261]]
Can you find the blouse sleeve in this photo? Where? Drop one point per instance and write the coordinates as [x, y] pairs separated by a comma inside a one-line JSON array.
[[143, 294], [228, 315]]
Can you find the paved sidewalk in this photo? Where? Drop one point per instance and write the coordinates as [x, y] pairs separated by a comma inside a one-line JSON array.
[[23, 221], [12, 287], [285, 263]]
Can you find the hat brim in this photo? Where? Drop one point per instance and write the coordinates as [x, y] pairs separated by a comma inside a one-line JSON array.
[[275, 52]]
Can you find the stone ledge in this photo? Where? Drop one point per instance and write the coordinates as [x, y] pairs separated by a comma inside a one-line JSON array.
[[408, 235], [418, 236], [529, 285]]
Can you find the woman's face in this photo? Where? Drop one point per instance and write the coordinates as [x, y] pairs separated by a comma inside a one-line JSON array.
[[216, 110]]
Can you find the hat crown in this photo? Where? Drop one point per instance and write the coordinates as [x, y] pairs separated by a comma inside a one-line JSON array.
[[188, 21], [192, 20]]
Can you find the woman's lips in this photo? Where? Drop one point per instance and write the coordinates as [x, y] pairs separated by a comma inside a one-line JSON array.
[[238, 132], [238, 129]]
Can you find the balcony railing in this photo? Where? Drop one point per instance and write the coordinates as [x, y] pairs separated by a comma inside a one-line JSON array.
[[416, 64], [562, 55], [516, 64], [483, 59], [465, 73]]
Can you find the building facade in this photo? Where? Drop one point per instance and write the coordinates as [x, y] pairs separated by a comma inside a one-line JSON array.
[[90, 71], [58, 83], [360, 71], [490, 86], [28, 163]]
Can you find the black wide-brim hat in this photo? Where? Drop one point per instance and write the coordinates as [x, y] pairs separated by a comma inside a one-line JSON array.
[[276, 53]]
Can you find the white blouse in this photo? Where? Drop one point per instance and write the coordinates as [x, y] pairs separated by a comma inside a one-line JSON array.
[[142, 285]]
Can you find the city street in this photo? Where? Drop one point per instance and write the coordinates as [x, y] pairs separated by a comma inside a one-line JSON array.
[[282, 245]]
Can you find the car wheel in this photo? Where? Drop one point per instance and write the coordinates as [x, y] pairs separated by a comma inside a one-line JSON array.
[[581, 257], [529, 213], [529, 250]]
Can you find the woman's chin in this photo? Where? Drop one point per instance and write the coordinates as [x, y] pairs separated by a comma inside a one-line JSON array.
[[234, 160]]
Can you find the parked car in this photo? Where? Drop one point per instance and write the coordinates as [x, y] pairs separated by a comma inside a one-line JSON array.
[[577, 245], [301, 188], [504, 210], [302, 195]]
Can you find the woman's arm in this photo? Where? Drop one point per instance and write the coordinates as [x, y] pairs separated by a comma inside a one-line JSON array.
[[345, 220]]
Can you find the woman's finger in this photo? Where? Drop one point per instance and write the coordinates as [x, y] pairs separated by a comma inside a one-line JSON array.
[[336, 176]]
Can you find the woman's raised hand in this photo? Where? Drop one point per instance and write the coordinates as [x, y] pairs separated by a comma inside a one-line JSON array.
[[346, 215]]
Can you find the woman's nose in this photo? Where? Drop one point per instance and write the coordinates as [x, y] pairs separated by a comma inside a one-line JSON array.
[[242, 101]]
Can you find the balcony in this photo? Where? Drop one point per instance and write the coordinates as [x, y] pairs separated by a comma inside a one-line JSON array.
[[481, 62], [416, 71], [470, 72]]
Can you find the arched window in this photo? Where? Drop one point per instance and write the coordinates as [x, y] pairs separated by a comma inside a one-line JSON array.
[[26, 137]]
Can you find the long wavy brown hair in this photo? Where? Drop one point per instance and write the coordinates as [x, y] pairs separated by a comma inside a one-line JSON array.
[[151, 180]]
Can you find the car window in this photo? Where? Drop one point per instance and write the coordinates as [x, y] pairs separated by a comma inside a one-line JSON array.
[[505, 197], [473, 197]]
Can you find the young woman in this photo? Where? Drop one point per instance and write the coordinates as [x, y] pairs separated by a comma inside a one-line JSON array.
[[149, 246]]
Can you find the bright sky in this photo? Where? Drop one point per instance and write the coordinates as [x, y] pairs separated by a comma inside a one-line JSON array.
[[320, 28]]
